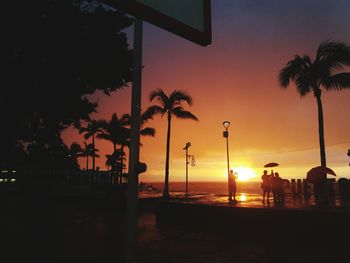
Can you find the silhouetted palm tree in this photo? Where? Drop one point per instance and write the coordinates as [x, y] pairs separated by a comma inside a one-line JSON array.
[[87, 151], [114, 130], [114, 164], [92, 128], [118, 132], [74, 152], [148, 131], [171, 106], [310, 75]]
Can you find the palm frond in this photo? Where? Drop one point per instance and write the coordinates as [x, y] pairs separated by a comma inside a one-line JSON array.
[[293, 69], [303, 82], [83, 129], [145, 117], [148, 131], [334, 54], [161, 97], [105, 136], [178, 95], [183, 114], [125, 119], [153, 110], [338, 81]]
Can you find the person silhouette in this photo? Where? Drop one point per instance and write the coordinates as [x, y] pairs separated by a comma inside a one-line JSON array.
[[232, 186], [266, 186], [279, 189], [273, 183]]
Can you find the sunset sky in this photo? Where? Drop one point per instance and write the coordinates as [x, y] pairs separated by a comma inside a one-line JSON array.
[[235, 79]]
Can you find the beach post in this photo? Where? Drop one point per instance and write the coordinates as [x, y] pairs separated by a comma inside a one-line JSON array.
[[226, 125]]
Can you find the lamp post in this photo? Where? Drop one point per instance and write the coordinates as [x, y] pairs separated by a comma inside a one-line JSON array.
[[188, 144], [226, 125]]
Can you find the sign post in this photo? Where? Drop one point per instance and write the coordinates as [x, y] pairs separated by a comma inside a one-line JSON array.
[[132, 197]]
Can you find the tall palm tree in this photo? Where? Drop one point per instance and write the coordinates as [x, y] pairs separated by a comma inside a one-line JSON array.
[[93, 127], [321, 73], [170, 106]]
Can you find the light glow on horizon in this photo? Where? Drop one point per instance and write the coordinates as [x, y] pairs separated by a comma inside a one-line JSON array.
[[245, 173]]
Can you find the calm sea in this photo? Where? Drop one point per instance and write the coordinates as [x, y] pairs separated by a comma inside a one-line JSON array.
[[248, 194], [216, 188]]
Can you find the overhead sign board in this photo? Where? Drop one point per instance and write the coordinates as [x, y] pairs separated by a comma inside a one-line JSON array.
[[190, 19]]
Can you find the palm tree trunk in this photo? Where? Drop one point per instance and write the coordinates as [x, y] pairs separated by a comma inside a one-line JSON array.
[[166, 180], [321, 131], [87, 162], [87, 169], [113, 164], [323, 194], [121, 162], [93, 153]]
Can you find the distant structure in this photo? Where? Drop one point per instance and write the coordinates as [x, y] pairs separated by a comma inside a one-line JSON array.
[[349, 155]]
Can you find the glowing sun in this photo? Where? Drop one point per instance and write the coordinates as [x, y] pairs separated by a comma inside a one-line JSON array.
[[245, 173]]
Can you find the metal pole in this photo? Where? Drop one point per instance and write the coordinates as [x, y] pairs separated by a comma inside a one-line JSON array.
[[228, 161], [186, 171], [132, 197]]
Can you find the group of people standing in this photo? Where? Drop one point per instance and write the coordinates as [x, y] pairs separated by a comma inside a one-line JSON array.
[[272, 183]]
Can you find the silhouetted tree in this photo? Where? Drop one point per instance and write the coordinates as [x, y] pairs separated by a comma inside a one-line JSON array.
[[117, 130], [54, 54], [114, 162], [74, 152], [114, 130], [147, 131], [90, 131], [88, 151], [322, 72], [171, 106]]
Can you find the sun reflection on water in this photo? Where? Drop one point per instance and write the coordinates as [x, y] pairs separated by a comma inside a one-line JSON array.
[[243, 197]]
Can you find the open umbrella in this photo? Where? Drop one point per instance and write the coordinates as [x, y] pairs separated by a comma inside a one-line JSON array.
[[315, 175], [271, 164]]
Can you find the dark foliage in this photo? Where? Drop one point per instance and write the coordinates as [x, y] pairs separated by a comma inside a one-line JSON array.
[[56, 53]]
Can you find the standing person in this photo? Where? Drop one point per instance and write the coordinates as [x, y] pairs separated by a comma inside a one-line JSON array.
[[279, 189], [274, 182], [232, 186], [266, 186]]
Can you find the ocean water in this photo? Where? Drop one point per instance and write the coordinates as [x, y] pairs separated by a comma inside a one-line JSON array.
[[217, 188], [249, 194], [216, 193]]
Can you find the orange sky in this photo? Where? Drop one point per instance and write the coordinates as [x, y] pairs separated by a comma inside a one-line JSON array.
[[235, 79]]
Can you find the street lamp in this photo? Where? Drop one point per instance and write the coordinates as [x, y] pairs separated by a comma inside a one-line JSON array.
[[226, 125], [188, 144]]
